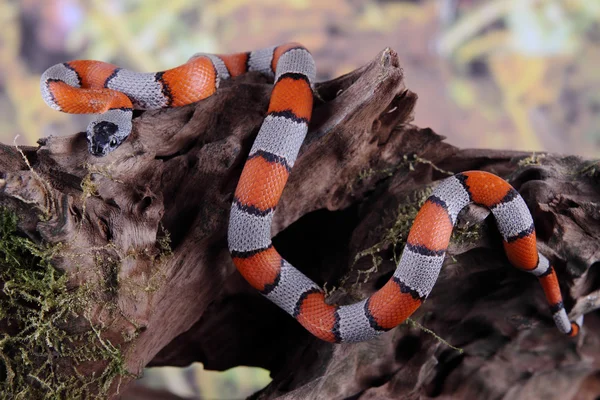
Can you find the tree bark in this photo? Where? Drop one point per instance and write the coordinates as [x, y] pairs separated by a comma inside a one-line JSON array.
[[140, 237]]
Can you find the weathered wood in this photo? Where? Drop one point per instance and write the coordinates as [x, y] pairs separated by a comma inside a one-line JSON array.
[[356, 186]]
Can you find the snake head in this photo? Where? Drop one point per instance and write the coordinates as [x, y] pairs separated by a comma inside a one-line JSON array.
[[107, 133], [103, 139]]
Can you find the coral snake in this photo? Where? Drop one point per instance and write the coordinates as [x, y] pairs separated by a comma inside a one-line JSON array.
[[104, 89]]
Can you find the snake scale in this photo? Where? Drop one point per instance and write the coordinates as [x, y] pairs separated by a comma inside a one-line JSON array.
[[96, 87]]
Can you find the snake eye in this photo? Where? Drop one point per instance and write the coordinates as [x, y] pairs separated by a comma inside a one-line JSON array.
[[113, 142]]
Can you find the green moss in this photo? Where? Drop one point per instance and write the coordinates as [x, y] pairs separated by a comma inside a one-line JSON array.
[[40, 357], [591, 169], [396, 235], [466, 233], [534, 159], [408, 161], [412, 323]]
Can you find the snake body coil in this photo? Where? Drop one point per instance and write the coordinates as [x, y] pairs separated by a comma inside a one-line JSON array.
[[97, 87]]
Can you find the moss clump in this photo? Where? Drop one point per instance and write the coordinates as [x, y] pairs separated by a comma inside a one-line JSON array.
[[591, 169], [396, 235], [40, 355], [534, 159], [409, 161], [466, 233]]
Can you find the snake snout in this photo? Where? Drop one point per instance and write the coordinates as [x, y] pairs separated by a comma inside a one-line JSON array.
[[97, 150]]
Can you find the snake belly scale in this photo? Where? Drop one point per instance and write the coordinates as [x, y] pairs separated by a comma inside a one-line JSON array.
[[112, 92]]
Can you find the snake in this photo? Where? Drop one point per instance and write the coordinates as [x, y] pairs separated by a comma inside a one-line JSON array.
[[86, 86]]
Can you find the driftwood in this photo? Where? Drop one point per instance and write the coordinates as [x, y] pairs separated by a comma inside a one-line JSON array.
[[140, 237]]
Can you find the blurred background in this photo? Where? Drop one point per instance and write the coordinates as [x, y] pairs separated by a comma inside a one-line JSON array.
[[513, 74]]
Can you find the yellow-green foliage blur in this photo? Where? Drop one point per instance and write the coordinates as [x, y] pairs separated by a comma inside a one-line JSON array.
[[515, 74]]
